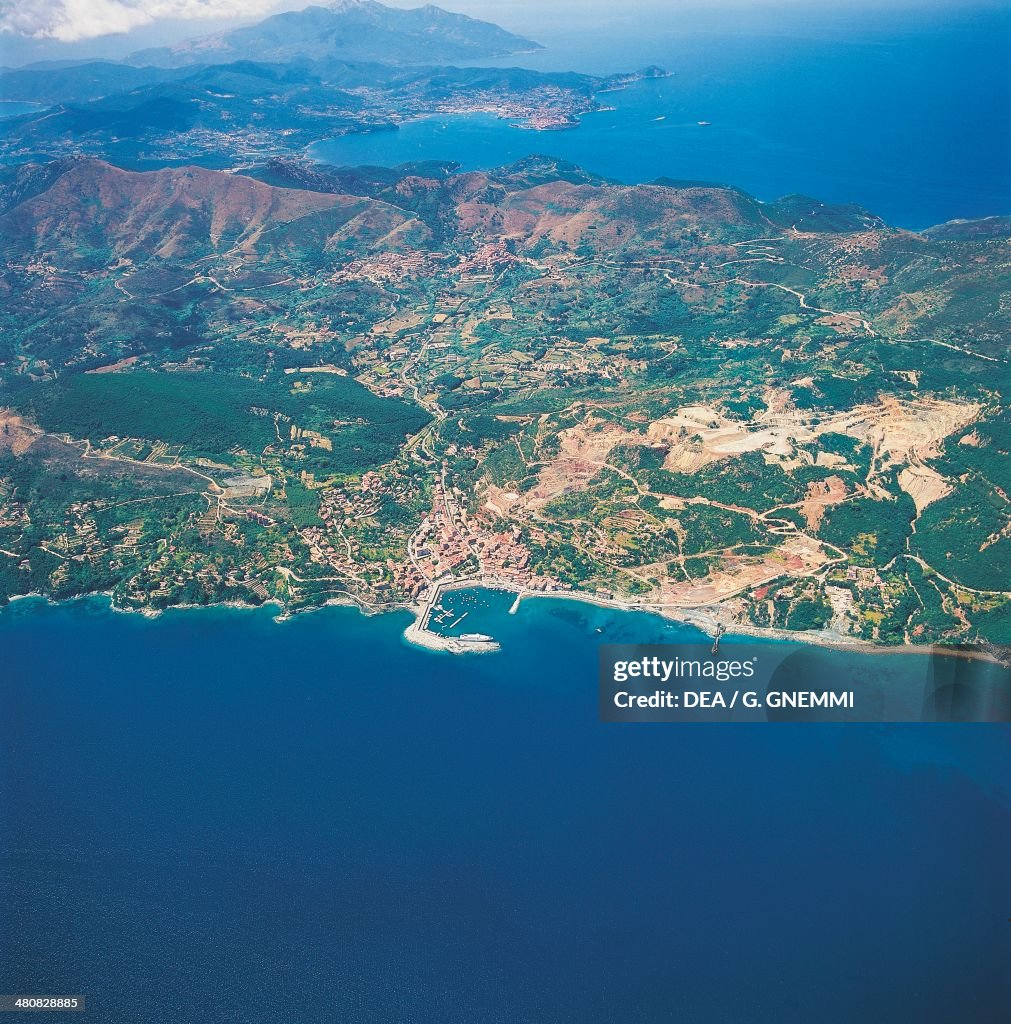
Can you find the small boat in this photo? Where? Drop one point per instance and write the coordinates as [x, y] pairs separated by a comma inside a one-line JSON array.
[[704, 124]]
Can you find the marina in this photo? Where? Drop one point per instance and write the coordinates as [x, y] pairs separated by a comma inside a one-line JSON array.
[[424, 632]]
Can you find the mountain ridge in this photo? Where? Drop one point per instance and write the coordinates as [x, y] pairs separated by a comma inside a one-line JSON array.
[[356, 30], [531, 193], [169, 212]]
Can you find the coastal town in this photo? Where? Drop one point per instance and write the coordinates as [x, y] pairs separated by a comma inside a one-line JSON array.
[[531, 380]]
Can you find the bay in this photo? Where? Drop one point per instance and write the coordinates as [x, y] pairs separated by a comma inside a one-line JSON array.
[[14, 108], [905, 114]]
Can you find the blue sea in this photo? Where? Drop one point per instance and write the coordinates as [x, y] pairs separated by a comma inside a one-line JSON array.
[[14, 108], [215, 817], [904, 111]]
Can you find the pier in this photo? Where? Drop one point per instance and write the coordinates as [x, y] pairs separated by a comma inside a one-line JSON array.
[[420, 633]]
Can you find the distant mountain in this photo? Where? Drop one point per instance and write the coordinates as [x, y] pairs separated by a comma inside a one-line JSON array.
[[200, 114], [349, 30], [89, 80], [244, 112]]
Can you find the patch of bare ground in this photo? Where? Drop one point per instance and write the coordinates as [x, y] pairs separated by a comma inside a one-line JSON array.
[[797, 556], [120, 364], [672, 503], [500, 501], [16, 434], [582, 455], [902, 433], [924, 485], [25, 440], [906, 433], [697, 435], [820, 495], [912, 429]]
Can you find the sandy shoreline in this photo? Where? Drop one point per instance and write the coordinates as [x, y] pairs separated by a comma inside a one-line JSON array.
[[701, 618], [708, 622]]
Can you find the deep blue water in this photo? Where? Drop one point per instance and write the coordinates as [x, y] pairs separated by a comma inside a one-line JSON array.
[[214, 817], [906, 113]]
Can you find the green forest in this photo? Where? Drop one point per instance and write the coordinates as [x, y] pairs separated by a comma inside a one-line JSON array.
[[214, 414]]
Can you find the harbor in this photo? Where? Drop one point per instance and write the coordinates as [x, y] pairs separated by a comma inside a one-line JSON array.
[[431, 628]]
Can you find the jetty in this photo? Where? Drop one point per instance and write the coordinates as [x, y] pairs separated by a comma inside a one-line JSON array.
[[716, 638], [418, 632]]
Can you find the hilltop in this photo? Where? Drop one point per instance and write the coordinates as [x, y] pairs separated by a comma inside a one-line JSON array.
[[93, 212], [355, 30]]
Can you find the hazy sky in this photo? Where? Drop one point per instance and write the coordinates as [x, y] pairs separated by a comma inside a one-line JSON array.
[[71, 20], [74, 20]]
